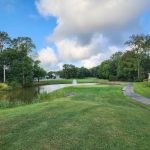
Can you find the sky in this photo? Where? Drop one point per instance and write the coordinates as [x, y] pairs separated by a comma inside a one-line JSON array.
[[79, 32]]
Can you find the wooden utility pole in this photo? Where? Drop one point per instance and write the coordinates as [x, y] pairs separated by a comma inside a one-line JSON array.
[[4, 69], [149, 77]]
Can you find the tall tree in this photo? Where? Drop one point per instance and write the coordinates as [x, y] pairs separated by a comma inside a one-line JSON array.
[[105, 69], [24, 45], [115, 61], [38, 71], [140, 45], [83, 72], [69, 71], [4, 41], [127, 68]]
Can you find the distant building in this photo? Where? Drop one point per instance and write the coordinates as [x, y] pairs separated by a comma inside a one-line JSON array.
[[55, 76], [46, 77]]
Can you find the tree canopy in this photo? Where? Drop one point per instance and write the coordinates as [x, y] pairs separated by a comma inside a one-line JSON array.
[[131, 65], [15, 54]]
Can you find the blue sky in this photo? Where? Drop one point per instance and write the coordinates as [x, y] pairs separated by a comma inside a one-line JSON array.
[[80, 32], [21, 18]]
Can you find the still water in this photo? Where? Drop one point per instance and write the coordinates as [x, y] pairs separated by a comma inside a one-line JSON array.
[[28, 95]]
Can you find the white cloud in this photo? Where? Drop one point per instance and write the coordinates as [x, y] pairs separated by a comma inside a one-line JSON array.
[[70, 49], [100, 57], [48, 57], [92, 61], [86, 28], [86, 17]]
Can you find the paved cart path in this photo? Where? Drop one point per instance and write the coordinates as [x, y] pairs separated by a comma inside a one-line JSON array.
[[128, 91]]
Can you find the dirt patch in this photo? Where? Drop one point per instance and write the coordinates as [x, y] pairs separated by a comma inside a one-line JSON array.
[[70, 94]]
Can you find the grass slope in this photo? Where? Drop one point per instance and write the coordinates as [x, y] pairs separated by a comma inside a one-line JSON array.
[[97, 117], [142, 88]]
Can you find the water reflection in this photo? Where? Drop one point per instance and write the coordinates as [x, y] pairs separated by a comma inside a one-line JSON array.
[[28, 95]]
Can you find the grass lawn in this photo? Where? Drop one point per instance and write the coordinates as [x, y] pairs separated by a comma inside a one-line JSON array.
[[69, 81], [96, 117], [142, 88]]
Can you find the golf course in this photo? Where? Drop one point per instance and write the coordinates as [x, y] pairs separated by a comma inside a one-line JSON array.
[[78, 117], [74, 75]]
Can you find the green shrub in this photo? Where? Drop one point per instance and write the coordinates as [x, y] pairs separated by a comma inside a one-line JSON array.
[[139, 80], [42, 96], [113, 78], [15, 84], [3, 86]]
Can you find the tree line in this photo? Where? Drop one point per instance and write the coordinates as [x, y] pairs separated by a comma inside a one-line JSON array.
[[15, 56], [131, 65]]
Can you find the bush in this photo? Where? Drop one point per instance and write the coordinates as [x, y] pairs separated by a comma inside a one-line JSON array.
[[145, 80], [42, 96], [113, 78], [139, 80], [4, 86], [15, 84]]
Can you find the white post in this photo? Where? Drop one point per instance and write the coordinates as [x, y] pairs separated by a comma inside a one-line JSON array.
[[149, 77], [4, 68]]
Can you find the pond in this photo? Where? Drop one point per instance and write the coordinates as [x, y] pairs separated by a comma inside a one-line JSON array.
[[28, 95]]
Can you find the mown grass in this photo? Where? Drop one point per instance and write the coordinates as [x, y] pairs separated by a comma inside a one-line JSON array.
[[69, 81], [8, 104], [142, 88], [96, 117]]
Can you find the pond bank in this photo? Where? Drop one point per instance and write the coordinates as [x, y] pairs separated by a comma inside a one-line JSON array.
[[30, 95]]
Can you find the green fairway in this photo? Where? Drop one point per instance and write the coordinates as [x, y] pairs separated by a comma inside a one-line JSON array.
[[69, 81], [142, 88], [96, 117]]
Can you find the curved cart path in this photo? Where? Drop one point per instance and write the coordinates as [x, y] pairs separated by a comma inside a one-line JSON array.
[[128, 91]]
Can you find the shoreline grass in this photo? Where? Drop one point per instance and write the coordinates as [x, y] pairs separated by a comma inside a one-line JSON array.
[[4, 87]]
